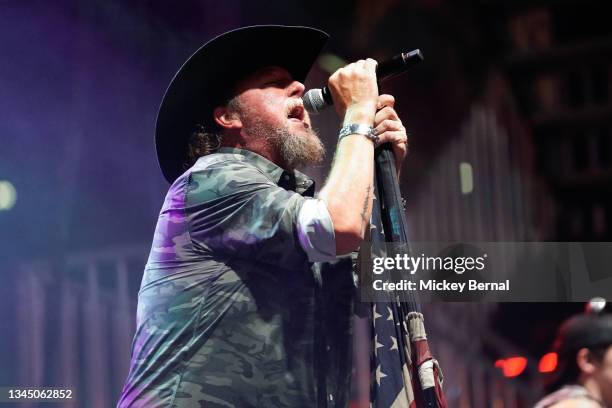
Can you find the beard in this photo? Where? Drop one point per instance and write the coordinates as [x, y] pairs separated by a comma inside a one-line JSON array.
[[295, 149]]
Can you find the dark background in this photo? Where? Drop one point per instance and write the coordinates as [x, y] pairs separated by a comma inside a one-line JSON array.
[[80, 83]]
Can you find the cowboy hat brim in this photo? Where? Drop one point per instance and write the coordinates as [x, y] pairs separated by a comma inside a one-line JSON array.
[[209, 75]]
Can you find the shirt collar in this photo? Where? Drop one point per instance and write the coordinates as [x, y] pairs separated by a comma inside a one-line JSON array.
[[290, 180]]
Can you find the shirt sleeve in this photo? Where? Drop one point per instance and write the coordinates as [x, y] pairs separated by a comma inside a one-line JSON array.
[[316, 231], [234, 210]]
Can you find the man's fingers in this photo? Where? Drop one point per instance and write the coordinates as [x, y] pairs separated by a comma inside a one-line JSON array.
[[371, 64], [399, 144], [385, 100], [385, 113], [390, 129], [389, 125], [393, 137], [398, 140], [355, 91]]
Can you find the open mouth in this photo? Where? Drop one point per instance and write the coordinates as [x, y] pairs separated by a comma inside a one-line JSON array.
[[296, 112]]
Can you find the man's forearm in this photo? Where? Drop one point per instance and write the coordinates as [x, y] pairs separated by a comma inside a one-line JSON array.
[[348, 191]]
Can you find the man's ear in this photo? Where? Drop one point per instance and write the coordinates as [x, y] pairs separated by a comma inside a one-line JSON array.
[[586, 361], [227, 119]]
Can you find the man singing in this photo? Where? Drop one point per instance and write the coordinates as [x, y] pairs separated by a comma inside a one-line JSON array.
[[234, 308]]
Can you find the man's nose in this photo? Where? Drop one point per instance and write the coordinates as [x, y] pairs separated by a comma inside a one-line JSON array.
[[296, 89]]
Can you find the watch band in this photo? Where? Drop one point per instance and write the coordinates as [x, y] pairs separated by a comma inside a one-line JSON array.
[[358, 129]]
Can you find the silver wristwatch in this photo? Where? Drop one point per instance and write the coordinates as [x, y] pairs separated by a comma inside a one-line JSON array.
[[359, 129]]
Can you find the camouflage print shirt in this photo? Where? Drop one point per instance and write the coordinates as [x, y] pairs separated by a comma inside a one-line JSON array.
[[230, 311]]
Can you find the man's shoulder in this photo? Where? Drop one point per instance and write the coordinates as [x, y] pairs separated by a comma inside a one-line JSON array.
[[222, 161], [569, 396], [225, 166], [221, 175], [576, 403], [215, 171]]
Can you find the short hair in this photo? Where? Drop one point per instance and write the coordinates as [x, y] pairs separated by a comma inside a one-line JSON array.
[[593, 332]]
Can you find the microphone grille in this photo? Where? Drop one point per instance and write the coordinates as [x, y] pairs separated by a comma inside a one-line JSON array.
[[313, 101]]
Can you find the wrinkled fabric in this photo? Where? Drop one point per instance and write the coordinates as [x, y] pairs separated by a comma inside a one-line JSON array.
[[316, 231], [229, 311], [568, 392]]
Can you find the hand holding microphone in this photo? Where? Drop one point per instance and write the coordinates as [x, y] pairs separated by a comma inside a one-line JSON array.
[[355, 92], [315, 100]]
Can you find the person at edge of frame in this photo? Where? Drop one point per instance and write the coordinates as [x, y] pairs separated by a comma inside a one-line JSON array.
[[246, 298], [583, 376]]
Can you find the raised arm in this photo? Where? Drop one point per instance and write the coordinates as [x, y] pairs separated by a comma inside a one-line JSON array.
[[348, 191]]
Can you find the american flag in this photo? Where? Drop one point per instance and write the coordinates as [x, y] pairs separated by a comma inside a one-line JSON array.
[[397, 324], [392, 385]]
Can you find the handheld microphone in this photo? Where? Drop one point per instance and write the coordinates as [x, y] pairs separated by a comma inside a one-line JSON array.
[[315, 100]]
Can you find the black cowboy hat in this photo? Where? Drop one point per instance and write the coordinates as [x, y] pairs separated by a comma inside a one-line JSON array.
[[207, 78]]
